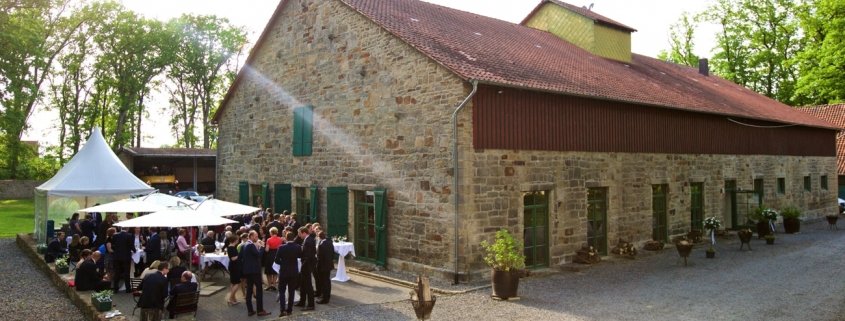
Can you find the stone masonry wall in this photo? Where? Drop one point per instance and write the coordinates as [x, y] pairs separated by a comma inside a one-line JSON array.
[[381, 119], [500, 179]]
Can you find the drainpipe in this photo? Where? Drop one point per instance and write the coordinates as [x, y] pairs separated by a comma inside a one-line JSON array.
[[455, 167]]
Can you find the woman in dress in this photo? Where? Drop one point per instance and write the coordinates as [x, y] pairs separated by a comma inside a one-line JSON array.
[[273, 244], [73, 225], [109, 255], [234, 269], [140, 242]]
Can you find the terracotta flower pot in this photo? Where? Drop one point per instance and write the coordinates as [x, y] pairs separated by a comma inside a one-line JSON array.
[[763, 229], [506, 283]]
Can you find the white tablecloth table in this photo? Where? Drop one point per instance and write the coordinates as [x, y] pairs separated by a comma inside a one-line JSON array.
[[208, 258], [342, 249], [138, 255]]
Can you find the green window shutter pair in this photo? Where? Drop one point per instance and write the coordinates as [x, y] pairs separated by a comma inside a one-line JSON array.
[[243, 193], [303, 128], [281, 197], [265, 195]]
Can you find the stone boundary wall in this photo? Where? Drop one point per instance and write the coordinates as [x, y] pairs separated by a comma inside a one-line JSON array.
[[11, 189], [82, 300]]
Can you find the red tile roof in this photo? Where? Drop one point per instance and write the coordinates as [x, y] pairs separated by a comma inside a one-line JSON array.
[[582, 11], [835, 114], [503, 53], [488, 50]]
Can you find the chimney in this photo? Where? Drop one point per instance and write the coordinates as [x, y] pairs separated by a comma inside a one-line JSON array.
[[704, 67]]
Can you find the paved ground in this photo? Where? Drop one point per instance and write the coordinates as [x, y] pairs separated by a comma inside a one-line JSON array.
[[799, 278]]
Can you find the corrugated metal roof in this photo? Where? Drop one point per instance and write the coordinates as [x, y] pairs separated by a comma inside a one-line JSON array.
[[170, 152]]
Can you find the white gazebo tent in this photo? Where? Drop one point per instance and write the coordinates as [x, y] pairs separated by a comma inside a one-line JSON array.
[[94, 174]]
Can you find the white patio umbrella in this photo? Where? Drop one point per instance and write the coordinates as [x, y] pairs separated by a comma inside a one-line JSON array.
[[217, 207], [129, 205], [175, 217], [166, 200]]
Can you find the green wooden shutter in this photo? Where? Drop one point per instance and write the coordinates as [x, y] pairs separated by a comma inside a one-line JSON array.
[[243, 193], [265, 194], [303, 128], [307, 130], [281, 197], [314, 203], [381, 226], [337, 211]]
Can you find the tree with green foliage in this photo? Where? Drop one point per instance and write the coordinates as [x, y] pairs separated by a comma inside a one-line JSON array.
[[822, 63], [757, 44], [33, 36], [681, 42], [200, 73]]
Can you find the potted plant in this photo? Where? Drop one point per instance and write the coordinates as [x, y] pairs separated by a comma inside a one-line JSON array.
[[506, 259], [791, 219], [764, 218], [61, 265], [744, 237], [684, 248], [102, 300], [712, 224], [770, 239], [831, 220]]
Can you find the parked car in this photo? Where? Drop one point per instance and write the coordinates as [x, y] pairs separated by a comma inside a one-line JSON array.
[[191, 195]]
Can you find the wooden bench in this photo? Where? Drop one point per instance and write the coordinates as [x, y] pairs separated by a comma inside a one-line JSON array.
[[183, 303]]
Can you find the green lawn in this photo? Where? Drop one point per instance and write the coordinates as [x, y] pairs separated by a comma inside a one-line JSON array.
[[16, 216]]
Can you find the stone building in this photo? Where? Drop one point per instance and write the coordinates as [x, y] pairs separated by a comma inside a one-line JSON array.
[[419, 130], [835, 114]]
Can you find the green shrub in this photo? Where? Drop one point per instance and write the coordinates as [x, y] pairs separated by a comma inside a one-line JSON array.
[[505, 253], [790, 212]]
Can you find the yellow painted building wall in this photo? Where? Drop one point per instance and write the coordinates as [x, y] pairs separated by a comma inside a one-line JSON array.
[[565, 24], [582, 32], [612, 43]]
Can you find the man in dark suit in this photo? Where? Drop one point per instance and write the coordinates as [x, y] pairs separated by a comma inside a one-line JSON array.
[[56, 248], [153, 246], [325, 265], [251, 270], [294, 223], [87, 278], [286, 258], [88, 227], [275, 223], [309, 260], [123, 249], [184, 286], [207, 242], [153, 292]]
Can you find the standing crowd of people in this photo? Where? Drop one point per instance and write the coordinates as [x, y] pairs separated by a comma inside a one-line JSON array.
[[267, 252]]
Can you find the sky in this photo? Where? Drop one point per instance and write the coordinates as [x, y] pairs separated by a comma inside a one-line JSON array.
[[651, 18]]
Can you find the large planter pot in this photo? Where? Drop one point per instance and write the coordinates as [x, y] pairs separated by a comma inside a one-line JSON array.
[[684, 248], [710, 254], [62, 270], [763, 229], [101, 306], [831, 220], [791, 225], [505, 283]]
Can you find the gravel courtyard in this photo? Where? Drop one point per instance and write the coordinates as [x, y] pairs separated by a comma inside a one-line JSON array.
[[801, 277], [798, 278]]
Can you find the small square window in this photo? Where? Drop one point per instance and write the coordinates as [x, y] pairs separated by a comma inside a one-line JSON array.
[[807, 186], [781, 185], [823, 180]]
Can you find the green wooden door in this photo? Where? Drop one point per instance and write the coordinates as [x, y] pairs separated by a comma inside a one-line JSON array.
[[365, 230], [337, 211], [281, 197], [381, 226], [315, 204], [243, 192], [697, 206], [659, 230], [597, 219], [536, 229], [730, 192], [265, 194]]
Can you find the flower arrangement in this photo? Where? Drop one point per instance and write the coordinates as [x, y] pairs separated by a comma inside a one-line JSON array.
[[61, 263], [712, 223], [505, 253], [769, 214], [339, 238], [102, 296]]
